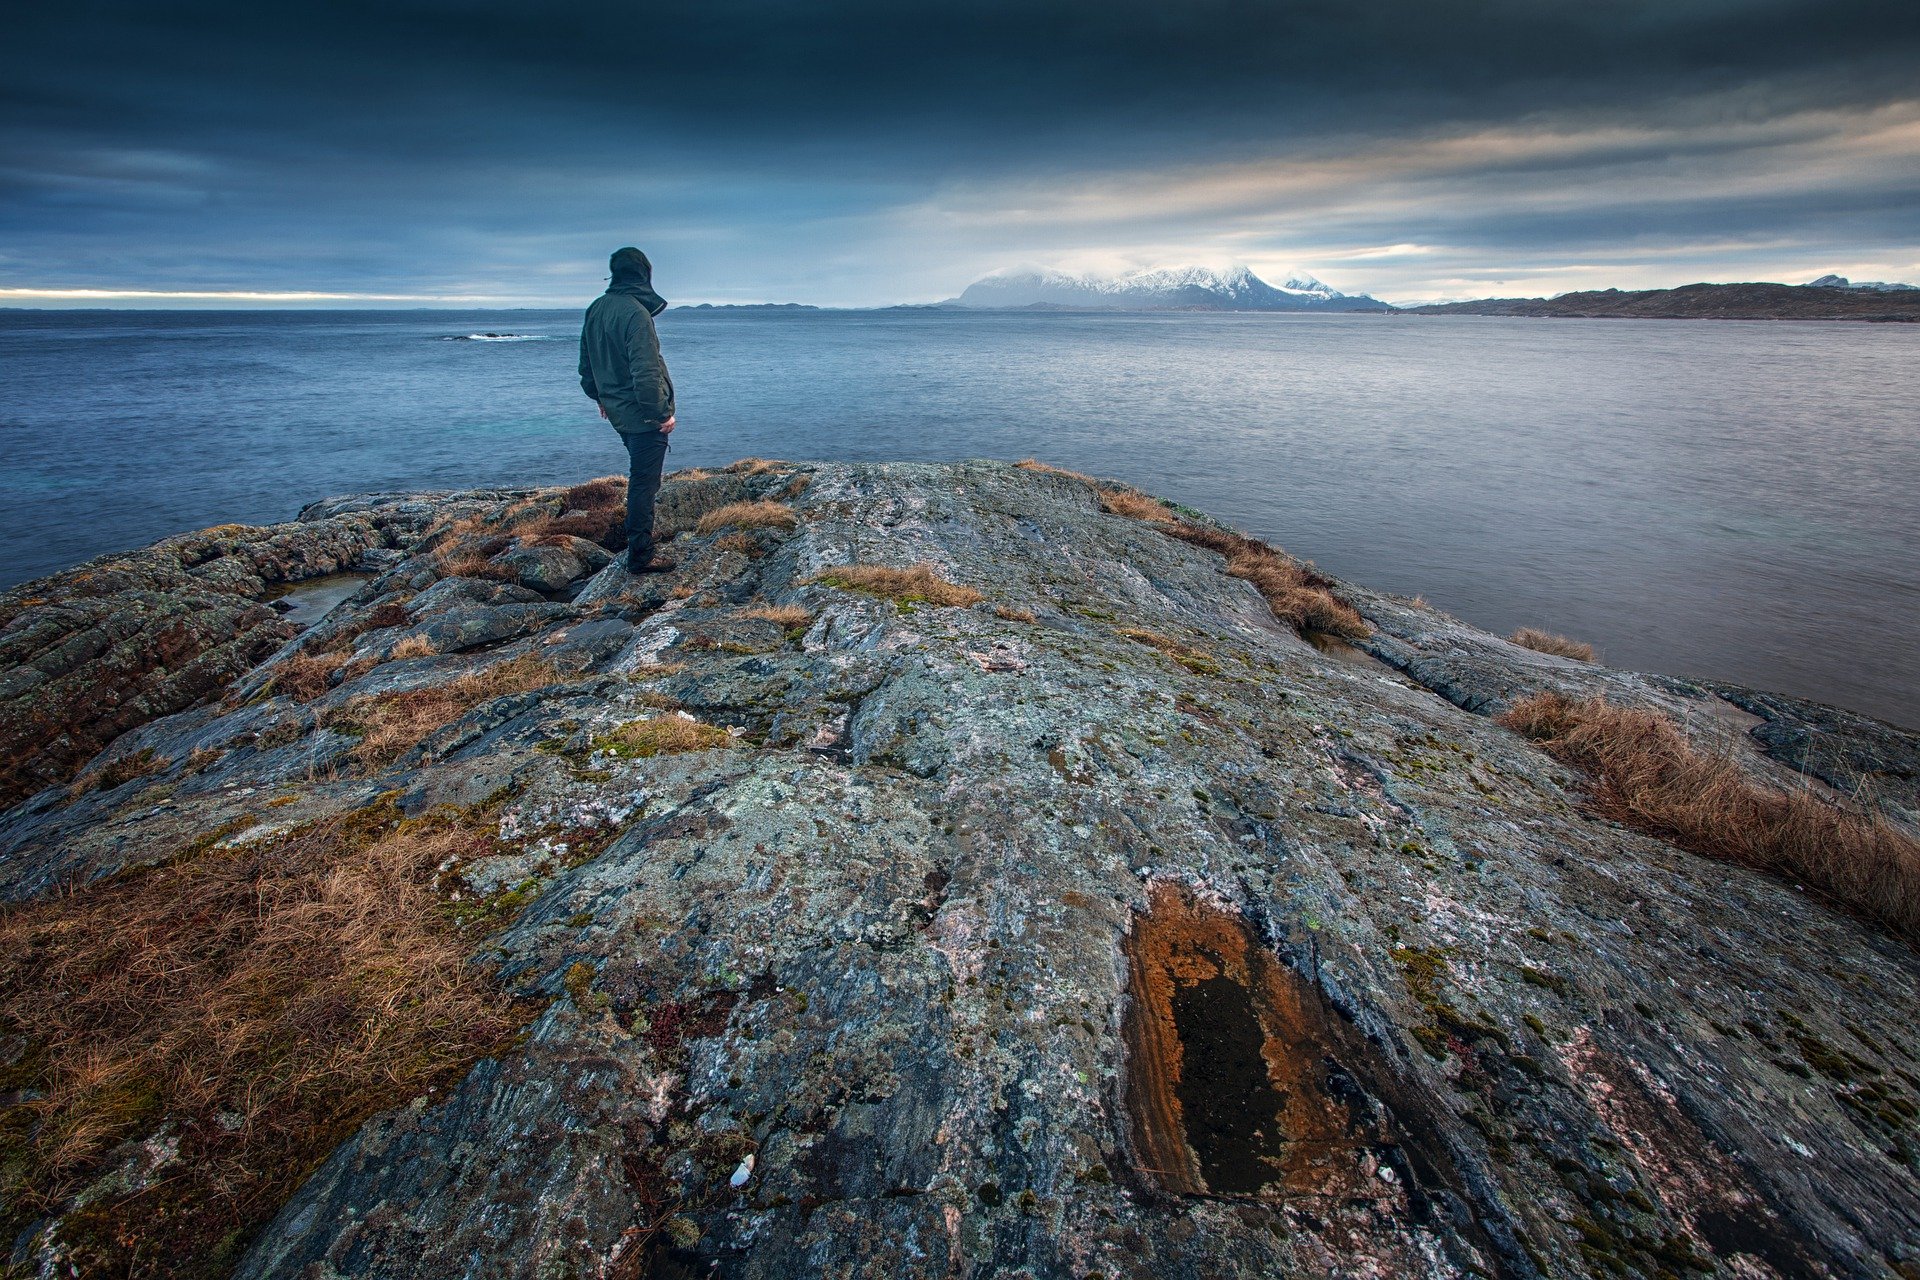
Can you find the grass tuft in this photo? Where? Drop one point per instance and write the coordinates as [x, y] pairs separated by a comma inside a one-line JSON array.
[[391, 724], [664, 735], [305, 676], [262, 1001], [1297, 596], [1135, 506], [475, 560], [596, 494], [595, 510], [1294, 593], [1196, 660], [917, 585], [1047, 468], [1548, 642], [747, 515], [143, 763], [757, 466], [413, 647], [1645, 773]]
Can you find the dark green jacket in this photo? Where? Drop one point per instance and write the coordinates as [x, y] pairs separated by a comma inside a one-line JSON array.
[[620, 364]]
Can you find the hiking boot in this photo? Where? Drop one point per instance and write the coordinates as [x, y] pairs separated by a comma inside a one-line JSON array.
[[655, 563]]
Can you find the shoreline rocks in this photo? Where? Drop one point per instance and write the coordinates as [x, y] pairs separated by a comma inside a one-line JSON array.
[[1105, 926]]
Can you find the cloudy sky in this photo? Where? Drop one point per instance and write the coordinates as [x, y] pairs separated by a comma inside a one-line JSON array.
[[851, 152]]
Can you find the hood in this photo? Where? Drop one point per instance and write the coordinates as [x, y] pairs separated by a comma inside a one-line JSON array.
[[633, 275]]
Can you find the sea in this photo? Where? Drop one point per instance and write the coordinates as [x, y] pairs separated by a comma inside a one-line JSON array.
[[1721, 499]]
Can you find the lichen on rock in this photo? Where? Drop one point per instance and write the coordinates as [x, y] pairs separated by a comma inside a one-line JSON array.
[[1085, 919]]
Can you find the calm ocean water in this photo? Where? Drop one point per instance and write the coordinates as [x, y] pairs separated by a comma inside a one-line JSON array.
[[1719, 499]]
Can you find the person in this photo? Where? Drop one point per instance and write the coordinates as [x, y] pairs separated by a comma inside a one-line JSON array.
[[621, 370]]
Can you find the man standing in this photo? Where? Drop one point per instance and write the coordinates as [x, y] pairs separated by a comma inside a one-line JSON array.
[[621, 369]]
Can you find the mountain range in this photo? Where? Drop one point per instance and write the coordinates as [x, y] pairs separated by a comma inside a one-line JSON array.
[[1234, 288]]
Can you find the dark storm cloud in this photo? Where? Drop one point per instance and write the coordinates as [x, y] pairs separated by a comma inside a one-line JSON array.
[[440, 79], [438, 145]]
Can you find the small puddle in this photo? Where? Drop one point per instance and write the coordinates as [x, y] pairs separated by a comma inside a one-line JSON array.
[[1235, 1078], [309, 601]]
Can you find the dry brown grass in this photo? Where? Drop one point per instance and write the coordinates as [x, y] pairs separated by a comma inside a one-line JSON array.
[[263, 1001], [1645, 773], [455, 529], [392, 724], [1047, 468], [742, 543], [141, 764], [1135, 506], [1296, 594], [757, 466], [917, 585], [1011, 614], [595, 510], [470, 560], [789, 616], [796, 486], [596, 494], [305, 676], [664, 735], [1198, 660], [1548, 642], [413, 647], [747, 515]]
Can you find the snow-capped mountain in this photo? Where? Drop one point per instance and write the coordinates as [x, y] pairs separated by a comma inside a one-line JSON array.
[[1233, 288]]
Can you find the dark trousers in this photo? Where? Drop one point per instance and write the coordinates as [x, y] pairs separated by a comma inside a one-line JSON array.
[[646, 454]]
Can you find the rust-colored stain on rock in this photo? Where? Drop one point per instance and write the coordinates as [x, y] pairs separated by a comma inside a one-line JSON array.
[[1232, 1086]]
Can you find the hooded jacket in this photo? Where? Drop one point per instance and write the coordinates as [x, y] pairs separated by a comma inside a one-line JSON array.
[[620, 364]]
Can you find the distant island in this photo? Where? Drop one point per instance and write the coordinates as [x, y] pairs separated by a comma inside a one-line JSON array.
[[1828, 298], [1193, 288], [748, 306]]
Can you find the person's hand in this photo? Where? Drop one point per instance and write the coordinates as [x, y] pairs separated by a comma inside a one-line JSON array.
[[666, 428], [603, 409]]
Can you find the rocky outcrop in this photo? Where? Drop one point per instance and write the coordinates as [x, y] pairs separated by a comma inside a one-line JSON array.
[[1104, 927], [87, 654]]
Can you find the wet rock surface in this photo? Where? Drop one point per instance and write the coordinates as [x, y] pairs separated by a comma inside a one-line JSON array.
[[1006, 942]]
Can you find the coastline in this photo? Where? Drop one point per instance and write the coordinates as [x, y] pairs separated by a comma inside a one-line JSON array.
[[891, 842]]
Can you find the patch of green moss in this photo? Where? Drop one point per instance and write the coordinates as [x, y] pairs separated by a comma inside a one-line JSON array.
[[578, 982], [1831, 1061], [494, 909], [1424, 969], [1541, 978]]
